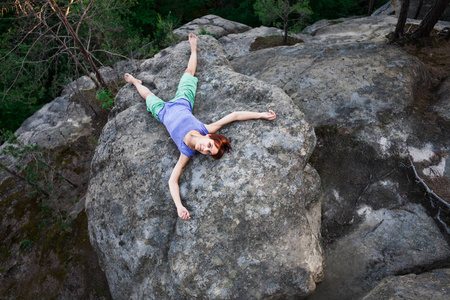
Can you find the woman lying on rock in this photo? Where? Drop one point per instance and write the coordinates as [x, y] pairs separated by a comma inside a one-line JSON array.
[[188, 133]]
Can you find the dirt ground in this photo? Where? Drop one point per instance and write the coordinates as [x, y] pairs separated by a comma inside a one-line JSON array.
[[434, 52]]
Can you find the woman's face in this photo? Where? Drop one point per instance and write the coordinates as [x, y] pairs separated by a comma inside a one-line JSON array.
[[206, 146]]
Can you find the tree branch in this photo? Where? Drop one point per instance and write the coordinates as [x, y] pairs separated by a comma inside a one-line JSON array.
[[428, 190], [15, 174]]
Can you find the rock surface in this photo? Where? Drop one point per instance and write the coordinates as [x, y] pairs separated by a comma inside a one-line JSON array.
[[388, 9], [346, 85], [374, 250], [214, 25], [254, 231], [239, 44], [442, 106], [429, 285], [58, 262], [360, 94]]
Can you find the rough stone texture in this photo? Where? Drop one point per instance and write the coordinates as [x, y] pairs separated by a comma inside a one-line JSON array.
[[312, 29], [65, 120], [362, 30], [316, 26], [255, 213], [359, 94], [442, 107], [430, 285], [239, 44], [414, 6], [374, 250], [371, 29], [348, 85], [110, 74], [387, 9], [57, 123], [215, 25]]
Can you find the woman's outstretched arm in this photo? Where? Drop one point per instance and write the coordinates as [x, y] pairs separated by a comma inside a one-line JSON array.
[[175, 189], [240, 116]]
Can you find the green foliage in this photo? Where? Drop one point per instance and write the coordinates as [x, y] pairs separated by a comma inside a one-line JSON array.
[[276, 11], [334, 9], [164, 35], [203, 31], [106, 98], [30, 164], [26, 245], [29, 50], [239, 11], [35, 68], [282, 13]]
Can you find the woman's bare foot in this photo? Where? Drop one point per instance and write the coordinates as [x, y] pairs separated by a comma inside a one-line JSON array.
[[193, 40], [130, 79]]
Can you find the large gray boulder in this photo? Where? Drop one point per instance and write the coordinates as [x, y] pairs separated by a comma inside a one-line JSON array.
[[67, 118], [214, 25], [387, 242], [370, 30], [430, 285], [373, 29], [349, 85], [239, 44], [254, 231], [360, 94]]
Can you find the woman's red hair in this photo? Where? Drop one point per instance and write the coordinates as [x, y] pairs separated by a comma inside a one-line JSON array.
[[221, 143]]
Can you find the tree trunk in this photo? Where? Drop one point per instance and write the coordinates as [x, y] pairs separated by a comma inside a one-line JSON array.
[[419, 8], [398, 33], [285, 31], [431, 18], [371, 7]]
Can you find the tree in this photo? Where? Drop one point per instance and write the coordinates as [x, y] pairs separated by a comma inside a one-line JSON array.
[[45, 44], [371, 7], [400, 27], [419, 8], [427, 24], [45, 12], [271, 11], [430, 19]]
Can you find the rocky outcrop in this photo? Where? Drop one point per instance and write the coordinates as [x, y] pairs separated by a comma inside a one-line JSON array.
[[254, 231], [348, 85], [374, 250], [429, 285], [58, 262], [442, 106], [237, 45], [257, 215], [211, 24], [67, 118], [360, 94], [388, 9]]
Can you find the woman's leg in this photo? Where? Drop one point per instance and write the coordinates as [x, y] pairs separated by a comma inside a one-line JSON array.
[[153, 103], [192, 64], [142, 90]]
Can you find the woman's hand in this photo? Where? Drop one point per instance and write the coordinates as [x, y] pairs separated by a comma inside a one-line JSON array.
[[270, 115], [183, 213]]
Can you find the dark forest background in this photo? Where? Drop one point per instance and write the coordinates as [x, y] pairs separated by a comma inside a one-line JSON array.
[[39, 56]]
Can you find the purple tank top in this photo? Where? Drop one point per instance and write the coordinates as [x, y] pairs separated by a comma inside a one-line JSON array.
[[178, 118]]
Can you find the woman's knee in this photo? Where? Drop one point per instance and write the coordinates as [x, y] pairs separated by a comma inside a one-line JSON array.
[[190, 71]]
